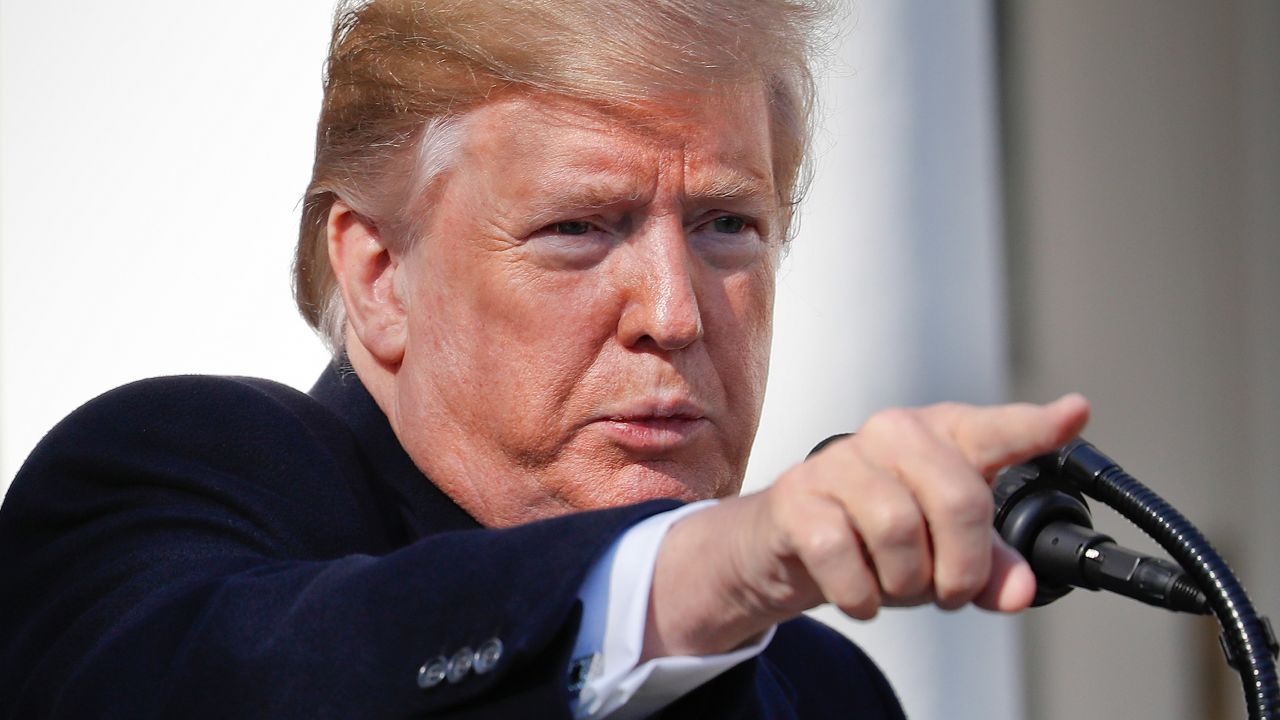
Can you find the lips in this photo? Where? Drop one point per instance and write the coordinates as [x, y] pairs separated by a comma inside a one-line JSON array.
[[648, 427]]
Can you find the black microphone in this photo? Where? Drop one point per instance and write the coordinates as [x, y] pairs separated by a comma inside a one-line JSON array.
[[1048, 522]]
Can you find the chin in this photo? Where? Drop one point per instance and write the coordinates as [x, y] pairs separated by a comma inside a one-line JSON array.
[[655, 480]]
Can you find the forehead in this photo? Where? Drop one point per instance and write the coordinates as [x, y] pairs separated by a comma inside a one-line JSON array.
[[718, 139]]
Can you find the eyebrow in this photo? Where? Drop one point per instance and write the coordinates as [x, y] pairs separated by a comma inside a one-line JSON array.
[[587, 196], [605, 191], [733, 186]]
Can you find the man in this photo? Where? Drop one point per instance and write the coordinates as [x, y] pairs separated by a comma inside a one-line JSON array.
[[541, 238]]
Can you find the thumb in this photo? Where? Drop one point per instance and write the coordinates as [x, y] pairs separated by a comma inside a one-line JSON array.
[[1011, 586]]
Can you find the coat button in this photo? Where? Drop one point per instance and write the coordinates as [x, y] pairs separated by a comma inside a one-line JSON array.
[[460, 665], [488, 655], [432, 672]]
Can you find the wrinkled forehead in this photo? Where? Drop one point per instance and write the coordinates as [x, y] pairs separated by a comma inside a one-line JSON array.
[[722, 134]]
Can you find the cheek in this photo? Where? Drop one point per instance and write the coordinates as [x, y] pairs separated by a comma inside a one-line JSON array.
[[518, 339], [544, 324], [749, 300]]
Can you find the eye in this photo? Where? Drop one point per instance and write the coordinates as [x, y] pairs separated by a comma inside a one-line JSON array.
[[570, 244], [572, 227], [728, 241], [729, 224]]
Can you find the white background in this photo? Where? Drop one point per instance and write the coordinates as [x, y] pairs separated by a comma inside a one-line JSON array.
[[154, 154]]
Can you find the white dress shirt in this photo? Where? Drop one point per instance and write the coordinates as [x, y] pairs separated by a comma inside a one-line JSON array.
[[615, 599]]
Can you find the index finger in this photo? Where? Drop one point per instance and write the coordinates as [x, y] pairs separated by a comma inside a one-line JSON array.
[[994, 437]]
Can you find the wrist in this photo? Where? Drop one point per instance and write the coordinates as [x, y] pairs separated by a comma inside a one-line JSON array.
[[698, 602]]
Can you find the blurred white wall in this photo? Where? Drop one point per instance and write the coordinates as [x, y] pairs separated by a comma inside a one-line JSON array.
[[154, 154]]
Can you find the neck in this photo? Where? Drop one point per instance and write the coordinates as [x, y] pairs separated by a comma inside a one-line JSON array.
[[376, 377]]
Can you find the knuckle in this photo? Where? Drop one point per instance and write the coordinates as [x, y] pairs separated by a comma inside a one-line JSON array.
[[785, 497], [893, 421], [947, 415], [895, 525], [782, 519], [822, 543], [787, 480], [794, 481], [967, 504]]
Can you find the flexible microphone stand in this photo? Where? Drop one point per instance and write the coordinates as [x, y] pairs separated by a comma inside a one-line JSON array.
[[1247, 638], [1038, 507]]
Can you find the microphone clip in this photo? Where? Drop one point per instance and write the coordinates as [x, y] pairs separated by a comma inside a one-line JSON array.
[[1027, 501], [1047, 520]]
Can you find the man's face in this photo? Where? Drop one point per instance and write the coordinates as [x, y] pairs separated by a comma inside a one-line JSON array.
[[589, 310]]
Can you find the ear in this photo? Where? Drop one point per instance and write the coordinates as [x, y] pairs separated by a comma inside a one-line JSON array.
[[366, 272]]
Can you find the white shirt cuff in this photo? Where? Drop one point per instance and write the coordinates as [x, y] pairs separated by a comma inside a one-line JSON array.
[[615, 599]]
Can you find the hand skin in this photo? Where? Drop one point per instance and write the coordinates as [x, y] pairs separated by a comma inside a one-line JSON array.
[[899, 514]]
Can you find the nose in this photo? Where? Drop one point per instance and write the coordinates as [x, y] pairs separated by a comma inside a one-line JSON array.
[[661, 307]]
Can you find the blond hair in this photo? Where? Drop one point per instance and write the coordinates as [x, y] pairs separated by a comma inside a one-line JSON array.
[[402, 74]]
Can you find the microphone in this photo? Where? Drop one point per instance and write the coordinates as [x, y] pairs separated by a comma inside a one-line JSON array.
[[1049, 523], [1046, 520]]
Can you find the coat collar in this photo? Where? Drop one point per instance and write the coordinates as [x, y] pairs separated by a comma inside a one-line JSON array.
[[424, 508]]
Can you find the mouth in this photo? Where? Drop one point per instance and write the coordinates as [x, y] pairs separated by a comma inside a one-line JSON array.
[[657, 427]]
